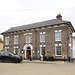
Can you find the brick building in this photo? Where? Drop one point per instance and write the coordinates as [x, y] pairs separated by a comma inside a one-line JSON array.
[[51, 37]]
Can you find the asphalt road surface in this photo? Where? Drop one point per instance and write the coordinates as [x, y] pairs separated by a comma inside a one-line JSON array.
[[30, 68]]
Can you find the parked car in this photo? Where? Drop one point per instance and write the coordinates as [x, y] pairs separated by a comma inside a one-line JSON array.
[[10, 57]]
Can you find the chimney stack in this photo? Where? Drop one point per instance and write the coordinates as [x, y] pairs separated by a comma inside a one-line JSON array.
[[59, 17]]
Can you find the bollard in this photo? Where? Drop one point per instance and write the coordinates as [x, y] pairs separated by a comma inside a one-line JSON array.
[[68, 59], [30, 58], [40, 58], [47, 58]]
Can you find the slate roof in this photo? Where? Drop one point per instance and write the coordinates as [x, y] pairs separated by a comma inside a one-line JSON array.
[[37, 25]]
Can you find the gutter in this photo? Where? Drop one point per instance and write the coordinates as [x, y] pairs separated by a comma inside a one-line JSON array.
[[67, 43]]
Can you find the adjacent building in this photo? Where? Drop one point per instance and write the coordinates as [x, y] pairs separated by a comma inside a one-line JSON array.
[[74, 47], [51, 37], [1, 44]]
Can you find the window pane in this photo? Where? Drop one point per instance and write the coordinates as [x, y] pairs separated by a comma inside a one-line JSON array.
[[19, 52], [42, 37], [15, 39], [16, 51], [43, 50], [6, 40], [58, 50], [57, 36], [28, 39]]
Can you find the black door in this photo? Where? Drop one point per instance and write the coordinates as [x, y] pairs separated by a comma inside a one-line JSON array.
[[30, 52]]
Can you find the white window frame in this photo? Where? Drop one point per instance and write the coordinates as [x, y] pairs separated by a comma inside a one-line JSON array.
[[42, 40], [16, 39], [70, 37], [28, 41], [7, 40], [19, 51], [58, 31], [56, 50], [6, 48], [28, 33], [15, 50], [41, 50]]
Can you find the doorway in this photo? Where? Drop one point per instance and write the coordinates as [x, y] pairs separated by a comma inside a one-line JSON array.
[[28, 53]]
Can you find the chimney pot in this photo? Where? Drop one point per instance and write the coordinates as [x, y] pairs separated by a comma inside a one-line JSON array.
[[59, 17]]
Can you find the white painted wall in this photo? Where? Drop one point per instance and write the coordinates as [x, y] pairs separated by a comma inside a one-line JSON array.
[[73, 47]]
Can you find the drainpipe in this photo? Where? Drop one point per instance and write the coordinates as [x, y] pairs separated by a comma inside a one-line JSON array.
[[67, 43], [35, 45]]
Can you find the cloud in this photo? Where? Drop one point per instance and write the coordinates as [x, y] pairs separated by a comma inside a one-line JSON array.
[[21, 12], [45, 4], [9, 5], [35, 4]]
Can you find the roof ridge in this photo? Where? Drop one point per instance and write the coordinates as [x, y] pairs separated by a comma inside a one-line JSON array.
[[38, 22]]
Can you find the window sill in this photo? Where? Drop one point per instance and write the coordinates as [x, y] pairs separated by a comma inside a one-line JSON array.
[[42, 42], [28, 43], [58, 41], [7, 45], [15, 44], [58, 55]]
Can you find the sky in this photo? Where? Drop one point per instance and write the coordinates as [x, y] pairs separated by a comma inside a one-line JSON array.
[[21, 12]]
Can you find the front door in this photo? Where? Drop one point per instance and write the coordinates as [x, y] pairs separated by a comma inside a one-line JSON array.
[[28, 55]]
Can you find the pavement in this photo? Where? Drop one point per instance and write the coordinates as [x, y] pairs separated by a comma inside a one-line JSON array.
[[46, 62]]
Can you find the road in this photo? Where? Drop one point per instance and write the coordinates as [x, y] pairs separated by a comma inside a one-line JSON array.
[[30, 68]]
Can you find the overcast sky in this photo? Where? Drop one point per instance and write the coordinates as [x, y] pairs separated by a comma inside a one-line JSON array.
[[21, 12]]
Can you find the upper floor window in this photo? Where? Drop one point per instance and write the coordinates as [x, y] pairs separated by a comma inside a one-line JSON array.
[[16, 39], [7, 40], [28, 39], [58, 35], [70, 37], [42, 37]]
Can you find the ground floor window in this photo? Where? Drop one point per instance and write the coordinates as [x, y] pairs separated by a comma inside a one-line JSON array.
[[58, 50], [19, 51], [16, 51], [42, 50], [6, 48]]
